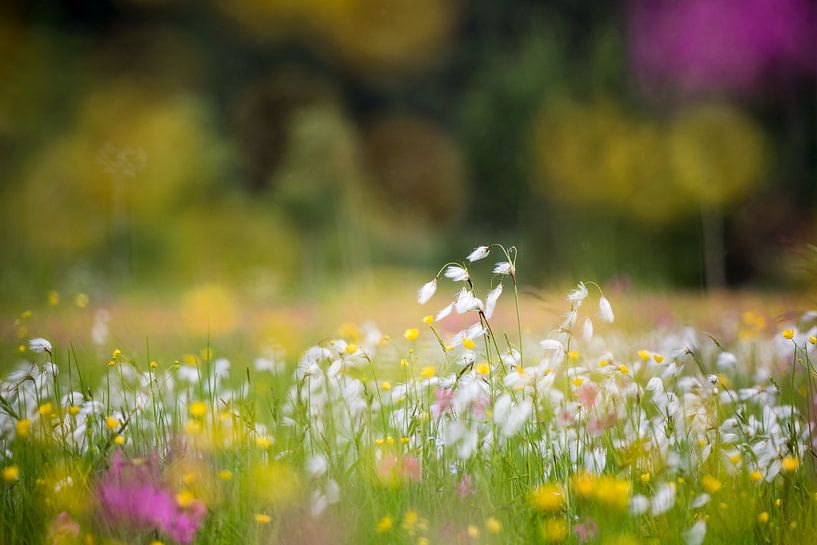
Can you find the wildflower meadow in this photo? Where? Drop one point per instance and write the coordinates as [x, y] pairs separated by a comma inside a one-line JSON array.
[[497, 432]]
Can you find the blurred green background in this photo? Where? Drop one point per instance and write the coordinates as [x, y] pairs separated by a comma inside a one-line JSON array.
[[285, 147]]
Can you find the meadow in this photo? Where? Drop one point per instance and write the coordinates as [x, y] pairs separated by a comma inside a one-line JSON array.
[[458, 422]]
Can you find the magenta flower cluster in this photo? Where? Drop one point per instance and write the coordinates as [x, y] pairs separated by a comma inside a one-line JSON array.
[[131, 497]]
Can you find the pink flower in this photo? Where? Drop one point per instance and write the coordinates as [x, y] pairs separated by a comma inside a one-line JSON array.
[[587, 395], [130, 496], [444, 398], [465, 487], [586, 530], [63, 529]]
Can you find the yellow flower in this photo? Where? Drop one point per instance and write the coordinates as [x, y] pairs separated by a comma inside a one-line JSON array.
[[385, 524], [11, 473], [756, 476], [73, 410], [473, 531], [483, 369], [658, 358], [644, 355], [198, 409], [81, 300], [468, 343], [410, 518], [623, 369], [386, 385], [427, 372], [493, 525], [192, 427], [154, 542], [763, 517], [735, 458], [261, 518], [711, 484], [583, 484], [225, 475], [53, 298], [411, 333], [578, 381], [547, 497], [263, 441], [351, 348], [812, 340], [45, 409], [573, 356], [389, 440], [428, 319], [116, 353], [119, 440], [153, 365], [790, 463], [614, 492], [645, 477], [112, 423], [23, 427], [788, 333], [185, 498], [554, 530]]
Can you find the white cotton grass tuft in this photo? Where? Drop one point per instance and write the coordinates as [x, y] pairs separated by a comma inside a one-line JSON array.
[[491, 299], [587, 329], [663, 500], [39, 345], [480, 252], [696, 534], [504, 267], [426, 292], [444, 313], [579, 294], [466, 302], [605, 310], [456, 273]]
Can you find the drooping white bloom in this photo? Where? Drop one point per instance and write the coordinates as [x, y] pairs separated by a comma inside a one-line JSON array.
[[605, 310], [466, 302], [491, 299], [726, 361], [701, 500], [426, 292], [317, 465], [663, 500], [696, 534], [456, 273], [578, 295], [505, 267], [639, 504], [39, 345], [444, 313], [569, 320], [480, 252], [587, 329]]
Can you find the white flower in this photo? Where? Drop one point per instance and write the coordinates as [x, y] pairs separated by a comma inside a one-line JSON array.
[[578, 295], [587, 329], [426, 292], [696, 534], [39, 345], [480, 252], [505, 267], [639, 504], [701, 500], [466, 302], [317, 465], [726, 361], [444, 312], [456, 273], [491, 299], [605, 310], [663, 500]]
